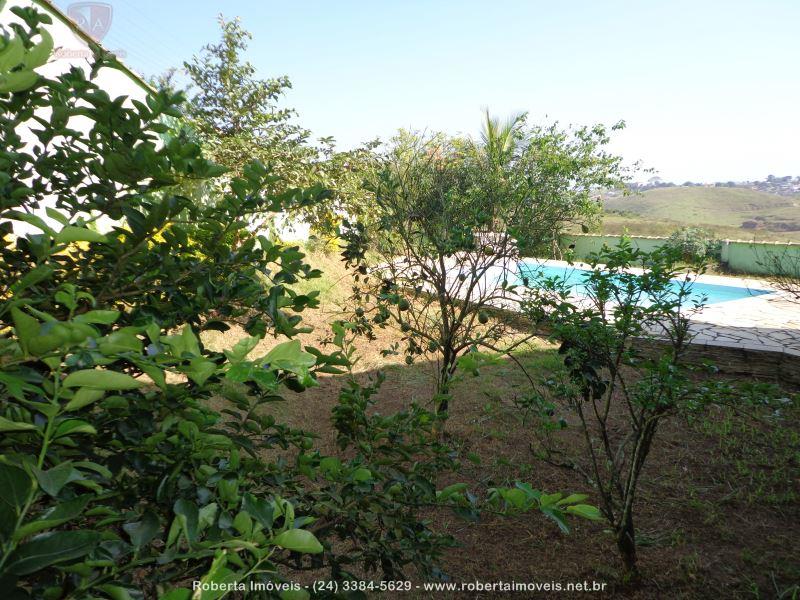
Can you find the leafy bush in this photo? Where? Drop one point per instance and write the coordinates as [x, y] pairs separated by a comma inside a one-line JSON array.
[[117, 473], [135, 460], [695, 244], [452, 215], [624, 349]]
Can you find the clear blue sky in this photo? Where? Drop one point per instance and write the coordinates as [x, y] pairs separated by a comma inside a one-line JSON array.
[[710, 89]]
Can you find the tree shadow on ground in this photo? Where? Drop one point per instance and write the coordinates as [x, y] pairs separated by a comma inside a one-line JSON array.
[[719, 506]]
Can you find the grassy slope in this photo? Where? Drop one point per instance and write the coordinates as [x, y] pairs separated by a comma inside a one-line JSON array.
[[722, 210]]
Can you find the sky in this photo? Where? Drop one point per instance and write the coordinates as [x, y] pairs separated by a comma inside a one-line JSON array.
[[709, 90]]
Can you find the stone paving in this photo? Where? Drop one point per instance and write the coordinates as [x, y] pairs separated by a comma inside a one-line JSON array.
[[769, 322]]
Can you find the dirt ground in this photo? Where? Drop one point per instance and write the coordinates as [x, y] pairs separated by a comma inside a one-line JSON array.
[[718, 512]]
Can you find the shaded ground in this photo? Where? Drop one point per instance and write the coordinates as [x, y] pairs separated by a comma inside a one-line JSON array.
[[718, 515]]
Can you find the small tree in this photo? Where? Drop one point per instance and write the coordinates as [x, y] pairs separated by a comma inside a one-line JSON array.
[[695, 244], [237, 116], [624, 338], [451, 216], [604, 335]]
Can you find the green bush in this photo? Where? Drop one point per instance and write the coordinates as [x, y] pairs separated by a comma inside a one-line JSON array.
[[624, 342], [449, 220], [695, 244]]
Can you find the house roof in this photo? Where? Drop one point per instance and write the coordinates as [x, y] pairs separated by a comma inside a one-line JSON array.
[[59, 14]]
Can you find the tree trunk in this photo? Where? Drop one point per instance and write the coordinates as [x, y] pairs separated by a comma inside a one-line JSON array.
[[626, 543], [442, 398], [443, 389]]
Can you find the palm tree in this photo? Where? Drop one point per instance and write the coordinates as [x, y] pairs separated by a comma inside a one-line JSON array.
[[501, 139]]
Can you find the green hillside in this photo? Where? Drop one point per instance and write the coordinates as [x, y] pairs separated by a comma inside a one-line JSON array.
[[730, 212]]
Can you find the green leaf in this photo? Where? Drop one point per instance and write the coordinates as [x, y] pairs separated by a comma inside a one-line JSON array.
[[243, 523], [289, 356], [154, 373], [38, 55], [54, 516], [572, 499], [242, 348], [557, 516], [177, 594], [116, 592], [18, 81], [6, 425], [456, 488], [56, 215], [586, 511], [259, 508], [32, 277], [185, 343], [15, 485], [100, 379], [74, 427], [120, 341], [217, 574], [330, 465], [30, 219], [144, 531], [188, 517], [200, 369], [207, 515], [17, 386], [515, 497], [12, 54], [550, 499], [84, 397], [52, 548], [100, 317], [25, 326], [71, 233], [362, 474], [298, 540], [52, 480]]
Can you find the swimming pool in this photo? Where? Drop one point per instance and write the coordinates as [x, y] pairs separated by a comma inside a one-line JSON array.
[[574, 278]]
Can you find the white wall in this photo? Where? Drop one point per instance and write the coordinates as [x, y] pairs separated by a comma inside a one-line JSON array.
[[71, 49]]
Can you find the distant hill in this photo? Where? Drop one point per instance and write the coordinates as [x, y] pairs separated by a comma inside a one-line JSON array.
[[730, 211]]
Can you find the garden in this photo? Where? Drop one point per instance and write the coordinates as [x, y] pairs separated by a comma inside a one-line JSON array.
[[193, 407]]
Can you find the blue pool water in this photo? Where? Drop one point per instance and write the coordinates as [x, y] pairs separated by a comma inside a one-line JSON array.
[[574, 277]]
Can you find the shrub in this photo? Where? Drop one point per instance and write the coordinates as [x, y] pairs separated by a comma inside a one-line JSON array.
[[117, 475], [624, 350], [452, 215], [695, 244]]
